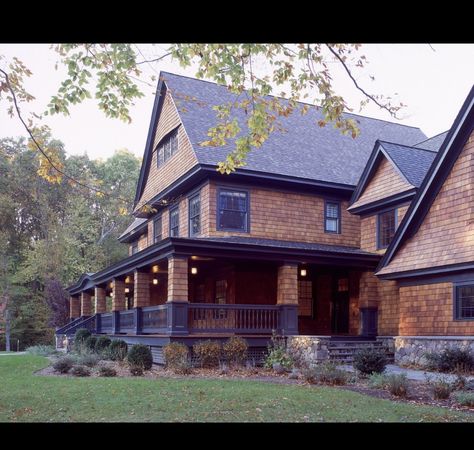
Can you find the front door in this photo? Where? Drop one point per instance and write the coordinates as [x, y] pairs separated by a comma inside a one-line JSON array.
[[340, 305]]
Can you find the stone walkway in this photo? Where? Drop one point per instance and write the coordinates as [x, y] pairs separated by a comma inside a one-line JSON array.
[[418, 375]]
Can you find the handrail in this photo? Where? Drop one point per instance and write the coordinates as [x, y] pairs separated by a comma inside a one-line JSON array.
[[62, 329]]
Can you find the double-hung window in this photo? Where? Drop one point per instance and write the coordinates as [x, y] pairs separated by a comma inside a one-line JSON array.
[[174, 222], [195, 215], [386, 225], [464, 301], [167, 147], [233, 207], [157, 229], [332, 217], [134, 247]]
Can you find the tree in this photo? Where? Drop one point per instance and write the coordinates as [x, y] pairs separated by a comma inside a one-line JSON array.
[[302, 71]]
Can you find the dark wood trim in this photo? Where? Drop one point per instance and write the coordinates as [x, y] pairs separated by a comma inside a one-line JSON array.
[[456, 287], [440, 278], [339, 222], [430, 271], [228, 187], [393, 201]]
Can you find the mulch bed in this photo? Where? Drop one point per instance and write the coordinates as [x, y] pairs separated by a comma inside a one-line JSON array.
[[418, 392]]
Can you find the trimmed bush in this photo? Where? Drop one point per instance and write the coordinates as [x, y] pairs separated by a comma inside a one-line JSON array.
[[450, 360], [105, 371], [90, 360], [80, 371], [102, 344], [464, 398], [118, 350], [176, 356], [64, 365], [397, 384], [370, 360], [90, 343], [325, 373], [42, 350], [79, 338], [235, 350], [140, 355], [208, 352]]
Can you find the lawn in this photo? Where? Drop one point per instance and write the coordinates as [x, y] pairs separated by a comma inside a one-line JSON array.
[[30, 398]]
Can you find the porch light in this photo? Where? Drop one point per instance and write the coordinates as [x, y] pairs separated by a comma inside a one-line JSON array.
[[194, 270], [303, 272], [127, 290], [155, 281], [111, 284], [127, 280], [155, 269]]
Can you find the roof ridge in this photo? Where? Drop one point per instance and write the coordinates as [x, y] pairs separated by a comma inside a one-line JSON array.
[[432, 137], [409, 146], [301, 102]]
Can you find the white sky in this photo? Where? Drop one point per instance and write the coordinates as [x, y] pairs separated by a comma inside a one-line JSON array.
[[433, 85]]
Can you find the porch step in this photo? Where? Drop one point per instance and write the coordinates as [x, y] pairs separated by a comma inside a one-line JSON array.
[[344, 351]]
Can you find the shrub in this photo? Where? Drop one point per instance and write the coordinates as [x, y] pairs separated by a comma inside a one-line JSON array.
[[208, 352], [140, 355], [102, 344], [80, 371], [325, 373], [81, 335], [464, 398], [378, 381], [278, 354], [176, 356], [42, 350], [235, 350], [90, 343], [88, 360], [450, 360], [118, 350], [64, 365], [397, 384], [370, 360], [105, 371], [440, 387]]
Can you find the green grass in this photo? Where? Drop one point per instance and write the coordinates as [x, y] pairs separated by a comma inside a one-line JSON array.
[[30, 398]]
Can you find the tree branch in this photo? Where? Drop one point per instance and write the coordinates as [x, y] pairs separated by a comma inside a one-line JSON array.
[[357, 85]]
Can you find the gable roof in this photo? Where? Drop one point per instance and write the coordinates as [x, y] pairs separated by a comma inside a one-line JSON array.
[[451, 148], [433, 143], [412, 164], [303, 150], [135, 226]]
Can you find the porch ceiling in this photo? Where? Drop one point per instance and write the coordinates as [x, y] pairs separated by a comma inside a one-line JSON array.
[[235, 247]]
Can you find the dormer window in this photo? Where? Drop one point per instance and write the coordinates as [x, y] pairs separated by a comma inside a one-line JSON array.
[[167, 147]]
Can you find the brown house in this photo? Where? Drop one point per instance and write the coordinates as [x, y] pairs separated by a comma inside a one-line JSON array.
[[292, 242]]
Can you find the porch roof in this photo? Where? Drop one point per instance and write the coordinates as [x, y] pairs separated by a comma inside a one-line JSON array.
[[234, 247]]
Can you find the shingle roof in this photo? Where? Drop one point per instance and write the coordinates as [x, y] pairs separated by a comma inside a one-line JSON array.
[[433, 143], [414, 163], [287, 244], [304, 150], [135, 224]]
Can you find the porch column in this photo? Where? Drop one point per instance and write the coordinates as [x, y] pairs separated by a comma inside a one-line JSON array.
[[141, 291], [178, 299], [74, 307], [100, 300], [287, 298], [177, 279], [86, 305], [118, 294]]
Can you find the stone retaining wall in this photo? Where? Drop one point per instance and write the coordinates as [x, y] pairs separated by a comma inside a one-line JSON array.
[[411, 349], [307, 350]]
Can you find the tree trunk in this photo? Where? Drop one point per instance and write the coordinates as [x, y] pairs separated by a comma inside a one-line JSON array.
[[7, 330]]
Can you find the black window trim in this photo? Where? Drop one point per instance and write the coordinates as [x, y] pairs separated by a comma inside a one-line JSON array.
[[377, 237], [174, 208], [135, 245], [162, 141], [190, 198], [456, 287], [233, 189], [155, 219], [339, 218]]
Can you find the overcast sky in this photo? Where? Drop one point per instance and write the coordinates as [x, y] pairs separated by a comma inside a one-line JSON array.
[[432, 80]]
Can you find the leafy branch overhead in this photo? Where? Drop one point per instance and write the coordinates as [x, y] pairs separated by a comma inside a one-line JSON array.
[[296, 73]]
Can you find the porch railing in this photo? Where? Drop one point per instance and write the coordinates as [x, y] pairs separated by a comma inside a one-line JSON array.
[[154, 319], [106, 325], [126, 322], [212, 318]]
